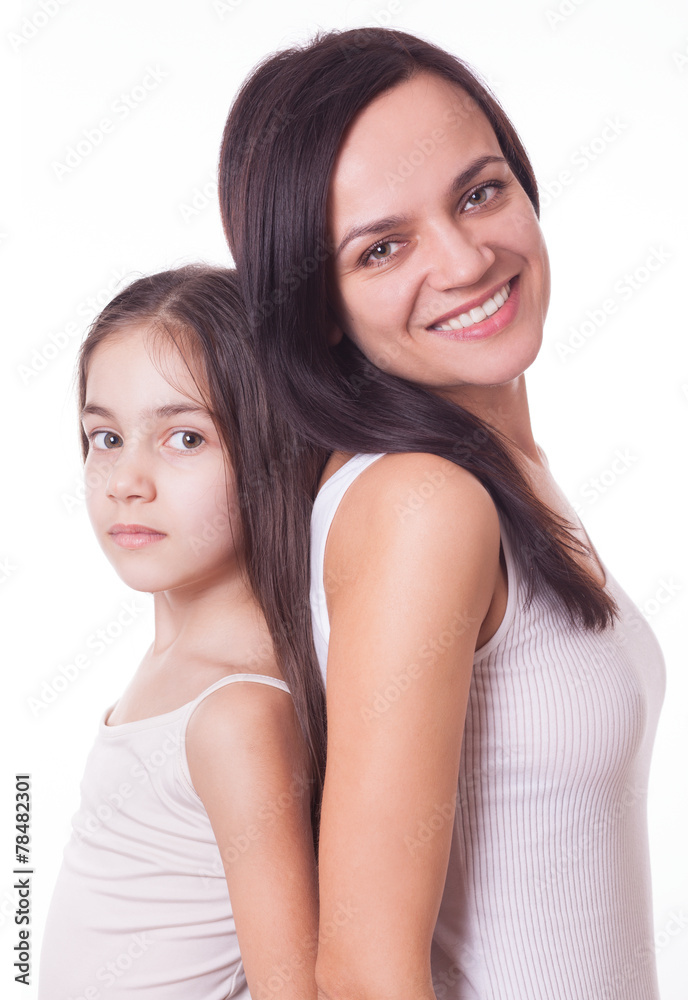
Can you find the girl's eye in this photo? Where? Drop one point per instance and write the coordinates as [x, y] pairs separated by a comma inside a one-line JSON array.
[[106, 440], [185, 440], [479, 196], [380, 253]]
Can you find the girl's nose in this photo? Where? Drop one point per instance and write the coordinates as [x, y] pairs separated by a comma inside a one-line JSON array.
[[131, 476]]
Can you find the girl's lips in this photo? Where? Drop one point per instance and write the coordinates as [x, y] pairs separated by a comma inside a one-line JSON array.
[[134, 536], [493, 324]]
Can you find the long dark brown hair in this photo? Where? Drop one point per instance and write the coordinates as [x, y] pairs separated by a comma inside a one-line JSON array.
[[279, 147], [200, 310]]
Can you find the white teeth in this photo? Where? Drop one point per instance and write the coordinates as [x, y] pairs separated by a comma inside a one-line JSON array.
[[479, 313]]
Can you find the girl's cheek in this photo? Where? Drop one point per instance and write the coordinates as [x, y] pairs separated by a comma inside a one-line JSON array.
[[96, 475]]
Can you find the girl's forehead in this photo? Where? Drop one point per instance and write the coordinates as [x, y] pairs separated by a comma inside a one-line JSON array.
[[138, 361]]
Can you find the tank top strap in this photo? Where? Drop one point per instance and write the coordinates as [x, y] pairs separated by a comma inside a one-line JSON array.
[[324, 509], [223, 682], [329, 497], [192, 706]]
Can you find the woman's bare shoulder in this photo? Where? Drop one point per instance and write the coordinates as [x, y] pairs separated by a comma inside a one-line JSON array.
[[399, 485], [410, 507]]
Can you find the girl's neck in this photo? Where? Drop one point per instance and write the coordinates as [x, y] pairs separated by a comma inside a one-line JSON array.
[[215, 621]]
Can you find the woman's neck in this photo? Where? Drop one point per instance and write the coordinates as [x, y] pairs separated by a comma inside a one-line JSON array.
[[504, 407]]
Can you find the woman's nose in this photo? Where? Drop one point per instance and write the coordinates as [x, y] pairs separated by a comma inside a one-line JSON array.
[[131, 476], [456, 257]]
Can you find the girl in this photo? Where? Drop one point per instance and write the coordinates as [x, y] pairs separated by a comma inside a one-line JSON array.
[[492, 691], [201, 880]]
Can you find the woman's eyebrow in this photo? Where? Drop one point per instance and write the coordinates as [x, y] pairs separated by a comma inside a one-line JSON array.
[[471, 171], [371, 228], [161, 412], [396, 221]]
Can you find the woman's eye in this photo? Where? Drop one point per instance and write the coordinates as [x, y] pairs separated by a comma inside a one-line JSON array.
[[106, 440], [380, 253], [480, 195], [185, 440]]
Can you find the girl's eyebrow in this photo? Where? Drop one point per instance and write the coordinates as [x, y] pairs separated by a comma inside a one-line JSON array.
[[397, 221], [161, 412]]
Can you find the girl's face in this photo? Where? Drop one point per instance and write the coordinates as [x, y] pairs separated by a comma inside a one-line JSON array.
[[440, 270], [156, 474]]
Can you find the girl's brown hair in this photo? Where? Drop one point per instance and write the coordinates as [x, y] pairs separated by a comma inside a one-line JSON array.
[[279, 147], [200, 310]]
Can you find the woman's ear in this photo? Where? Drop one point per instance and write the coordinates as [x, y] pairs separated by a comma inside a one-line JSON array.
[[334, 327], [334, 335]]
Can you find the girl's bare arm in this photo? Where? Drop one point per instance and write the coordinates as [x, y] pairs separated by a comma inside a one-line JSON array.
[[247, 762]]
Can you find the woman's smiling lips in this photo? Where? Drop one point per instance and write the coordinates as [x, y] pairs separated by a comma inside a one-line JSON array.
[[134, 536], [482, 317]]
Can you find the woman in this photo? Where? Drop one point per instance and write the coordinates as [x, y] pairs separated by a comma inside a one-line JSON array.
[[492, 692]]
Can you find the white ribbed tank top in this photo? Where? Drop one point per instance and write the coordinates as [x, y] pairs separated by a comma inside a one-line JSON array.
[[141, 906], [548, 890]]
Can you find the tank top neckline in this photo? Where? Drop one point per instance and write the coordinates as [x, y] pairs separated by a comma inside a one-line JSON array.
[[153, 721]]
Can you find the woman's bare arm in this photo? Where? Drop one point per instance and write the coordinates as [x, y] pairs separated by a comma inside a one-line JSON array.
[[247, 762], [412, 559]]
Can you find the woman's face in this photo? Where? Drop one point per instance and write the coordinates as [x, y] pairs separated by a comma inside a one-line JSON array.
[[428, 224]]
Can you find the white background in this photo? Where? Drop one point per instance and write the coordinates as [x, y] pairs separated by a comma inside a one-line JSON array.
[[142, 199]]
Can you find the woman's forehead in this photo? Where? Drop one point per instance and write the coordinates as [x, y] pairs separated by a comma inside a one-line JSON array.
[[412, 111], [414, 133]]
